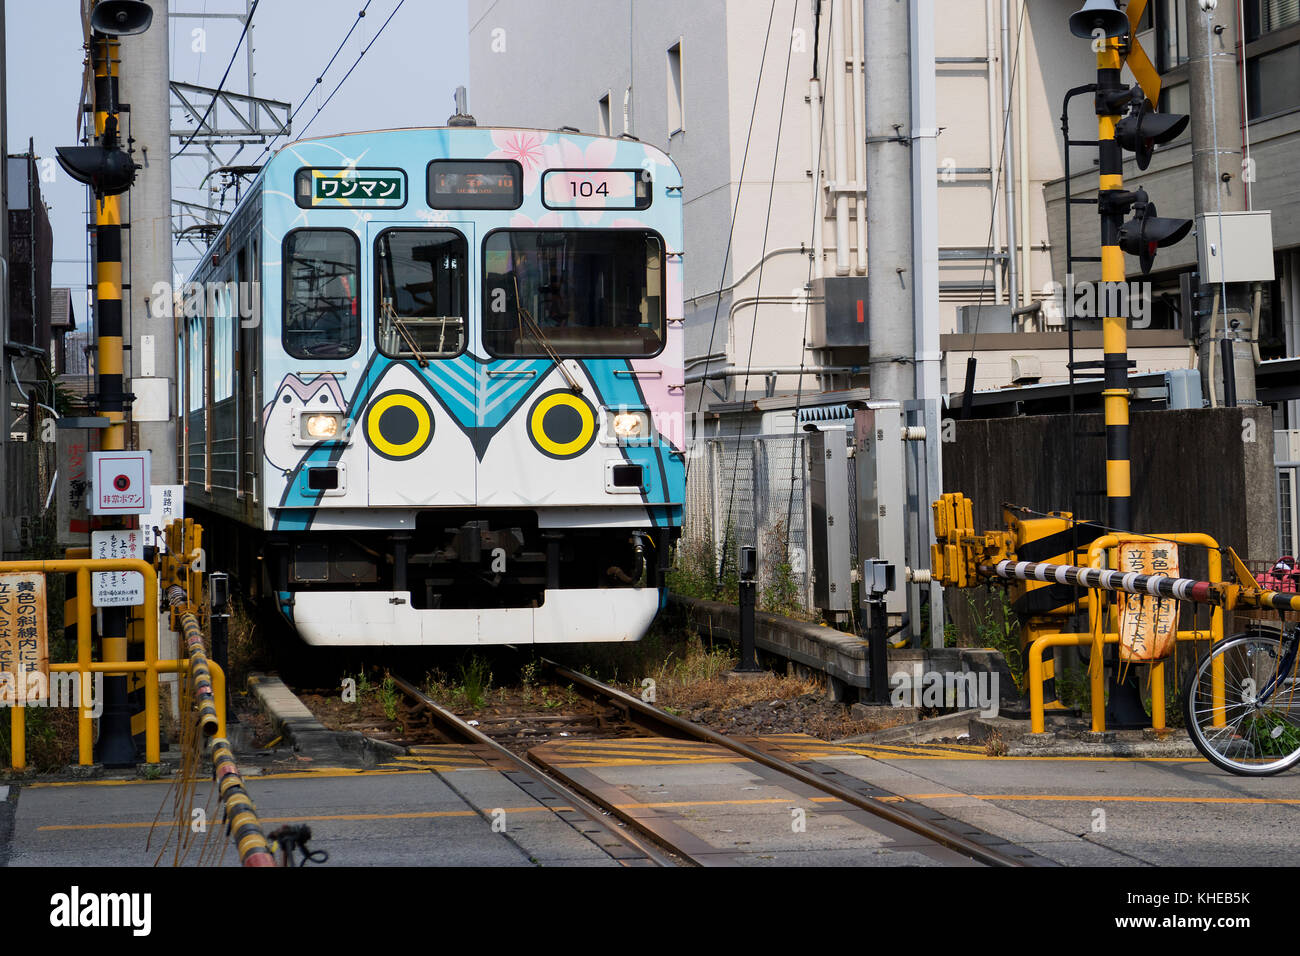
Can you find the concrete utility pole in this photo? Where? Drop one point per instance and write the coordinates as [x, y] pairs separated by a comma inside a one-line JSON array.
[[1215, 88], [153, 353], [890, 273], [4, 294], [903, 259]]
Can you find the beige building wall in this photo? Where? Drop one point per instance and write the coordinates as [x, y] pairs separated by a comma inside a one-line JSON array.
[[536, 63]]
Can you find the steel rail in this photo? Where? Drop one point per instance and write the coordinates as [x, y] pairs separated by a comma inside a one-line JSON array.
[[463, 732], [658, 721]]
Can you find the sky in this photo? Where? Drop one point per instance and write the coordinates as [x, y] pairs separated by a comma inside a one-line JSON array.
[[407, 78]]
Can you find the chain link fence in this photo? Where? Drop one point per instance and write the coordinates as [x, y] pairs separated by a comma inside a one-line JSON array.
[[752, 491]]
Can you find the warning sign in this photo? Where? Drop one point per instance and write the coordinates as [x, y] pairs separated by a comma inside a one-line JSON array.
[[168, 504], [1147, 624], [116, 588], [24, 646]]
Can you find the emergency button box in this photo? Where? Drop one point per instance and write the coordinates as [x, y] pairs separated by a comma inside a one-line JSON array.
[[119, 482]]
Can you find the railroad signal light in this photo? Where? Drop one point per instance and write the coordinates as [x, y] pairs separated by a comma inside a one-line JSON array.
[[108, 171], [1099, 14], [1146, 232], [1144, 129]]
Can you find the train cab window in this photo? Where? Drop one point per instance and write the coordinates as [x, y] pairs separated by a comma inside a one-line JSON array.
[[574, 293], [321, 318], [421, 288]]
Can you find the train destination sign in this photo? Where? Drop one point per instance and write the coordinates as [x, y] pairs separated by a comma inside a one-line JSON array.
[[476, 184], [351, 188]]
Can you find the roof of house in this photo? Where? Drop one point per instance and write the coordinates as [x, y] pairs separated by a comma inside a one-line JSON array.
[[61, 314]]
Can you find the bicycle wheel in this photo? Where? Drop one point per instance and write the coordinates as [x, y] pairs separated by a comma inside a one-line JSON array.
[[1252, 726]]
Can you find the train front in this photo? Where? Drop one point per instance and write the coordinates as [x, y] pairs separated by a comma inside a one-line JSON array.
[[473, 390]]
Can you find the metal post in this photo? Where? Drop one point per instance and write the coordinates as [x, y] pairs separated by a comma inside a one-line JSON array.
[[1229, 373], [877, 581], [219, 621], [748, 595]]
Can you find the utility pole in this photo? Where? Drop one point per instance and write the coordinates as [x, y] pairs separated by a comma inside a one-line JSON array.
[[153, 350], [1234, 248], [4, 294], [890, 273]]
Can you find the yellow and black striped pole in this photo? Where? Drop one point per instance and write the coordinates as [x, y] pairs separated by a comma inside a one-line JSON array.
[[116, 747], [1114, 331], [1124, 707]]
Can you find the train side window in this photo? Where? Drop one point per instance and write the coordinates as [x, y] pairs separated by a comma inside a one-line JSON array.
[[421, 288], [321, 317]]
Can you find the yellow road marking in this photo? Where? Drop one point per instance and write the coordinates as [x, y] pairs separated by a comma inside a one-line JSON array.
[[1135, 798], [337, 817], [321, 772]]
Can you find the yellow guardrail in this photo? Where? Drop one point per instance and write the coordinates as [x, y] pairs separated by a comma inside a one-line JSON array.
[[151, 666]]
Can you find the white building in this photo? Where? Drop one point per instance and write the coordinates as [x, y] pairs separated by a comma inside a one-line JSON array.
[[742, 122]]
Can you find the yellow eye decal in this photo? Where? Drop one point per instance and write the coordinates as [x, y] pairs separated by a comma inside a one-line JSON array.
[[399, 425], [562, 424]]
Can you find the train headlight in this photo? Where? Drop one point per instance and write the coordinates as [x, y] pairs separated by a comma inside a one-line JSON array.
[[322, 427], [628, 425], [623, 425]]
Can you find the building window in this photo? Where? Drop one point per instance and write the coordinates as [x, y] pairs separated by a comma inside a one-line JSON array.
[[602, 116], [1171, 34], [676, 99], [1273, 81], [1265, 16]]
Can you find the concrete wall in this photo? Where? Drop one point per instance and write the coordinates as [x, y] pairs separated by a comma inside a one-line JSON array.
[[1192, 471]]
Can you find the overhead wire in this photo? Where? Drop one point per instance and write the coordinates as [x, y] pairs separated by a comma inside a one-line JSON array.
[[320, 77], [731, 231], [816, 224], [364, 51], [767, 223], [248, 22]]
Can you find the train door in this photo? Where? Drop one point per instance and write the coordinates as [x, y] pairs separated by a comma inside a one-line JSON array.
[[418, 416]]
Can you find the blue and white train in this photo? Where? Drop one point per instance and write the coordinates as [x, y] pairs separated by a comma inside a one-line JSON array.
[[450, 411]]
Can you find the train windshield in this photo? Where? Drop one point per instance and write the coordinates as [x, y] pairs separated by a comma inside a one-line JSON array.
[[574, 293], [421, 285], [320, 293]]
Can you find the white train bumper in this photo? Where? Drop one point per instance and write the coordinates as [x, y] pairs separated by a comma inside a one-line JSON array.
[[378, 618]]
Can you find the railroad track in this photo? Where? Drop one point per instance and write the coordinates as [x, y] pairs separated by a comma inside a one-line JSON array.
[[624, 713], [576, 810]]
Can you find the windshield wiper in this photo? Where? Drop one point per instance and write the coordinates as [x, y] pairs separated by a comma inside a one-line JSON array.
[[536, 330]]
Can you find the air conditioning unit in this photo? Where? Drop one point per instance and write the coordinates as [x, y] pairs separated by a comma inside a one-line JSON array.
[[1026, 369]]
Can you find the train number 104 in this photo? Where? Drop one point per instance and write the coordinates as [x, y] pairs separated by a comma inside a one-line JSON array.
[[587, 188]]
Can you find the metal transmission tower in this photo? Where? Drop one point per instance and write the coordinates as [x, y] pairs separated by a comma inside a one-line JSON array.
[[222, 123]]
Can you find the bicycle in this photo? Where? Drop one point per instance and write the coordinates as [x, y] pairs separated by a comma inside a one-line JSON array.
[[1242, 702]]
